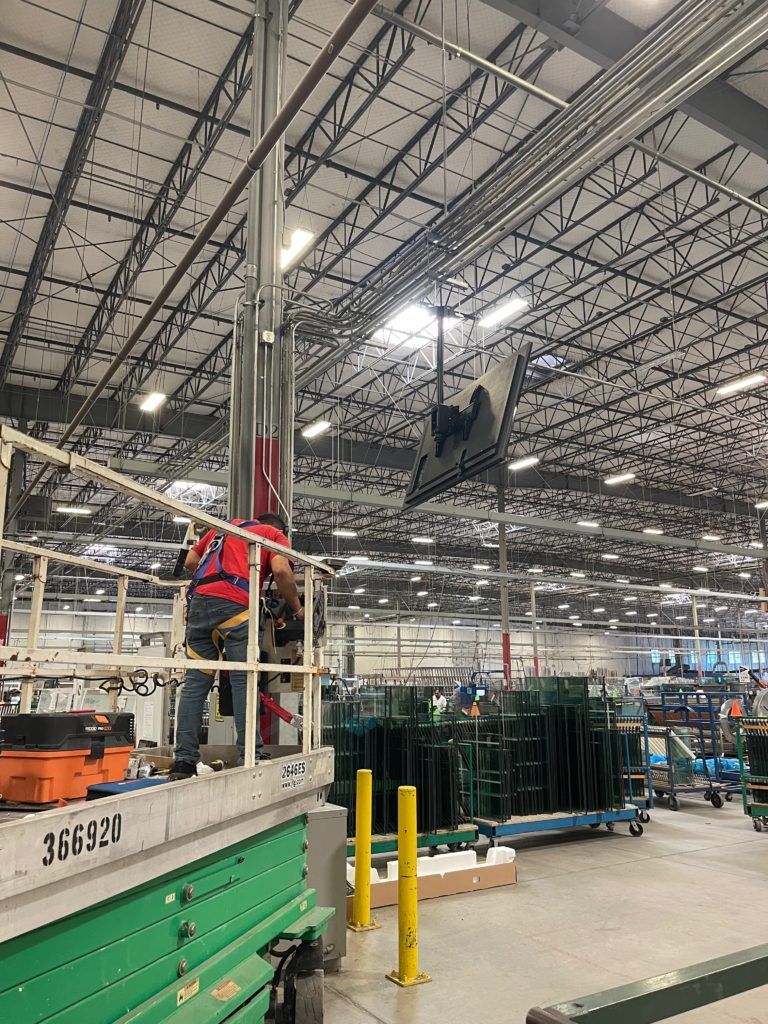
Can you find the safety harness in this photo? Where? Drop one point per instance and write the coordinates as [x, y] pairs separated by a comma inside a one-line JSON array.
[[211, 570]]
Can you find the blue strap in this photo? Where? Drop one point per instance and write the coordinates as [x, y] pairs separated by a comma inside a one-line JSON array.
[[213, 554]]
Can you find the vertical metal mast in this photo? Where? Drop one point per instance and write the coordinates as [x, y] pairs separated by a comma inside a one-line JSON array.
[[259, 383]]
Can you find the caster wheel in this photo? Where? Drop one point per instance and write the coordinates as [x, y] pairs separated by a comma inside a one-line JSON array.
[[658, 793], [708, 796], [644, 816], [674, 803], [717, 800], [729, 797], [431, 851], [757, 825], [635, 828], [611, 826]]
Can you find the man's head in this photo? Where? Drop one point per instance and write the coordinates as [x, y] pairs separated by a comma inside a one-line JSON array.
[[271, 519]]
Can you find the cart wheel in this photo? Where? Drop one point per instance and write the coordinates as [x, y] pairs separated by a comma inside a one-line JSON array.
[[595, 824], [635, 828], [658, 793], [431, 851], [708, 795], [717, 800], [644, 816], [757, 825], [729, 797], [611, 826], [674, 803]]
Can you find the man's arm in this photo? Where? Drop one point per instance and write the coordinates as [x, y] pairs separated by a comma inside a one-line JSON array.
[[192, 560], [282, 571]]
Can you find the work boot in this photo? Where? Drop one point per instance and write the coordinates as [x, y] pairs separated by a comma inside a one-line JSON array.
[[182, 770]]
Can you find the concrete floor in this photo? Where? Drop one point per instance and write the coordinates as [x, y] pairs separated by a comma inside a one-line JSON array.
[[590, 911]]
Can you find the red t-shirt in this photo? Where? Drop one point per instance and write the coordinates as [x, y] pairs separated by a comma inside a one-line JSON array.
[[234, 560]]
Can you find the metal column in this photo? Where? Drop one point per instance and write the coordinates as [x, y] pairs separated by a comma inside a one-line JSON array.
[[534, 638], [506, 654], [697, 636], [256, 483]]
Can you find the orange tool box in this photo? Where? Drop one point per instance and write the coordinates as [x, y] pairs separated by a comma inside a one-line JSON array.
[[50, 757]]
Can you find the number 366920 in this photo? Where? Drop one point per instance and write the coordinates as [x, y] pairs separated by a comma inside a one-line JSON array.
[[82, 838]]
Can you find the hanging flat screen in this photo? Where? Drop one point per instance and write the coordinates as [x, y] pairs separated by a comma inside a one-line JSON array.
[[469, 434]]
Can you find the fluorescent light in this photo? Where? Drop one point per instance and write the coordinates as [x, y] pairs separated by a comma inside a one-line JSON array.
[[699, 568], [573, 616], [475, 597], [344, 533], [456, 622], [504, 312], [756, 544], [597, 610], [74, 510], [358, 558], [614, 627], [578, 623], [316, 428], [679, 618], [525, 463], [761, 504], [422, 540], [588, 522], [414, 326], [652, 615], [383, 600], [630, 613], [422, 561], [415, 579], [19, 577], [480, 566], [35, 537], [92, 600], [630, 599], [482, 583], [744, 575], [665, 586], [366, 615], [619, 478], [562, 607], [622, 579], [140, 608], [300, 239], [354, 607], [711, 536], [359, 590], [156, 565], [654, 530], [182, 519], [613, 620], [751, 611], [535, 570], [432, 604], [610, 558], [152, 401], [421, 593], [707, 620], [721, 607], [579, 575], [99, 591], [743, 384]]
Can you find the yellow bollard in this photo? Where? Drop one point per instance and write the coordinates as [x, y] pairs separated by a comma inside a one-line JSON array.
[[361, 901], [407, 972]]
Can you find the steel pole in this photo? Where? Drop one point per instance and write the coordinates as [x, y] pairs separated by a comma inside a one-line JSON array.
[[361, 901], [697, 636], [506, 654], [407, 972], [534, 638], [307, 84]]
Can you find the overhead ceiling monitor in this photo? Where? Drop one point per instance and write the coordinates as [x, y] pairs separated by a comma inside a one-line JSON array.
[[470, 434]]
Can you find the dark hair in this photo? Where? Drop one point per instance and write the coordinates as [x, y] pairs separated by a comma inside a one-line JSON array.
[[271, 519]]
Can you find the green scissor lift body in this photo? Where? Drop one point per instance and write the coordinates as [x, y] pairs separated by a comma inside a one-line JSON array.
[[194, 937], [172, 920]]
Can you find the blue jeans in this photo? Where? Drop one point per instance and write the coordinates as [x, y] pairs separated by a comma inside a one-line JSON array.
[[214, 626]]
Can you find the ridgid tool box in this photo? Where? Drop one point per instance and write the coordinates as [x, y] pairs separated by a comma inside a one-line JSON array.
[[50, 757]]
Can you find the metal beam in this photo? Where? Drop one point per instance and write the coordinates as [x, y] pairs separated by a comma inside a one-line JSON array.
[[118, 41], [604, 37]]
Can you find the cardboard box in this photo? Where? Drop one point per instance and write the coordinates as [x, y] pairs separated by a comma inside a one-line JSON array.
[[451, 883]]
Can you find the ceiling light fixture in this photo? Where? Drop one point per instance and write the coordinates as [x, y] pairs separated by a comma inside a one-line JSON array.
[[505, 311], [300, 239], [654, 530], [525, 463], [481, 566], [721, 607], [744, 575], [432, 604], [99, 591], [579, 575], [359, 590], [597, 610], [713, 537], [475, 597], [456, 622], [383, 600], [152, 401], [665, 586], [354, 607], [156, 565], [422, 561], [344, 533], [140, 608], [19, 577], [562, 607], [535, 570], [743, 384], [74, 510], [415, 579], [608, 557], [588, 522], [699, 568], [620, 478], [182, 519], [316, 428], [421, 593], [358, 558], [630, 613], [422, 540]]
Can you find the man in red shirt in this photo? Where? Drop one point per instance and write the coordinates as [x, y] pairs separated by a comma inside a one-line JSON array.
[[217, 624]]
